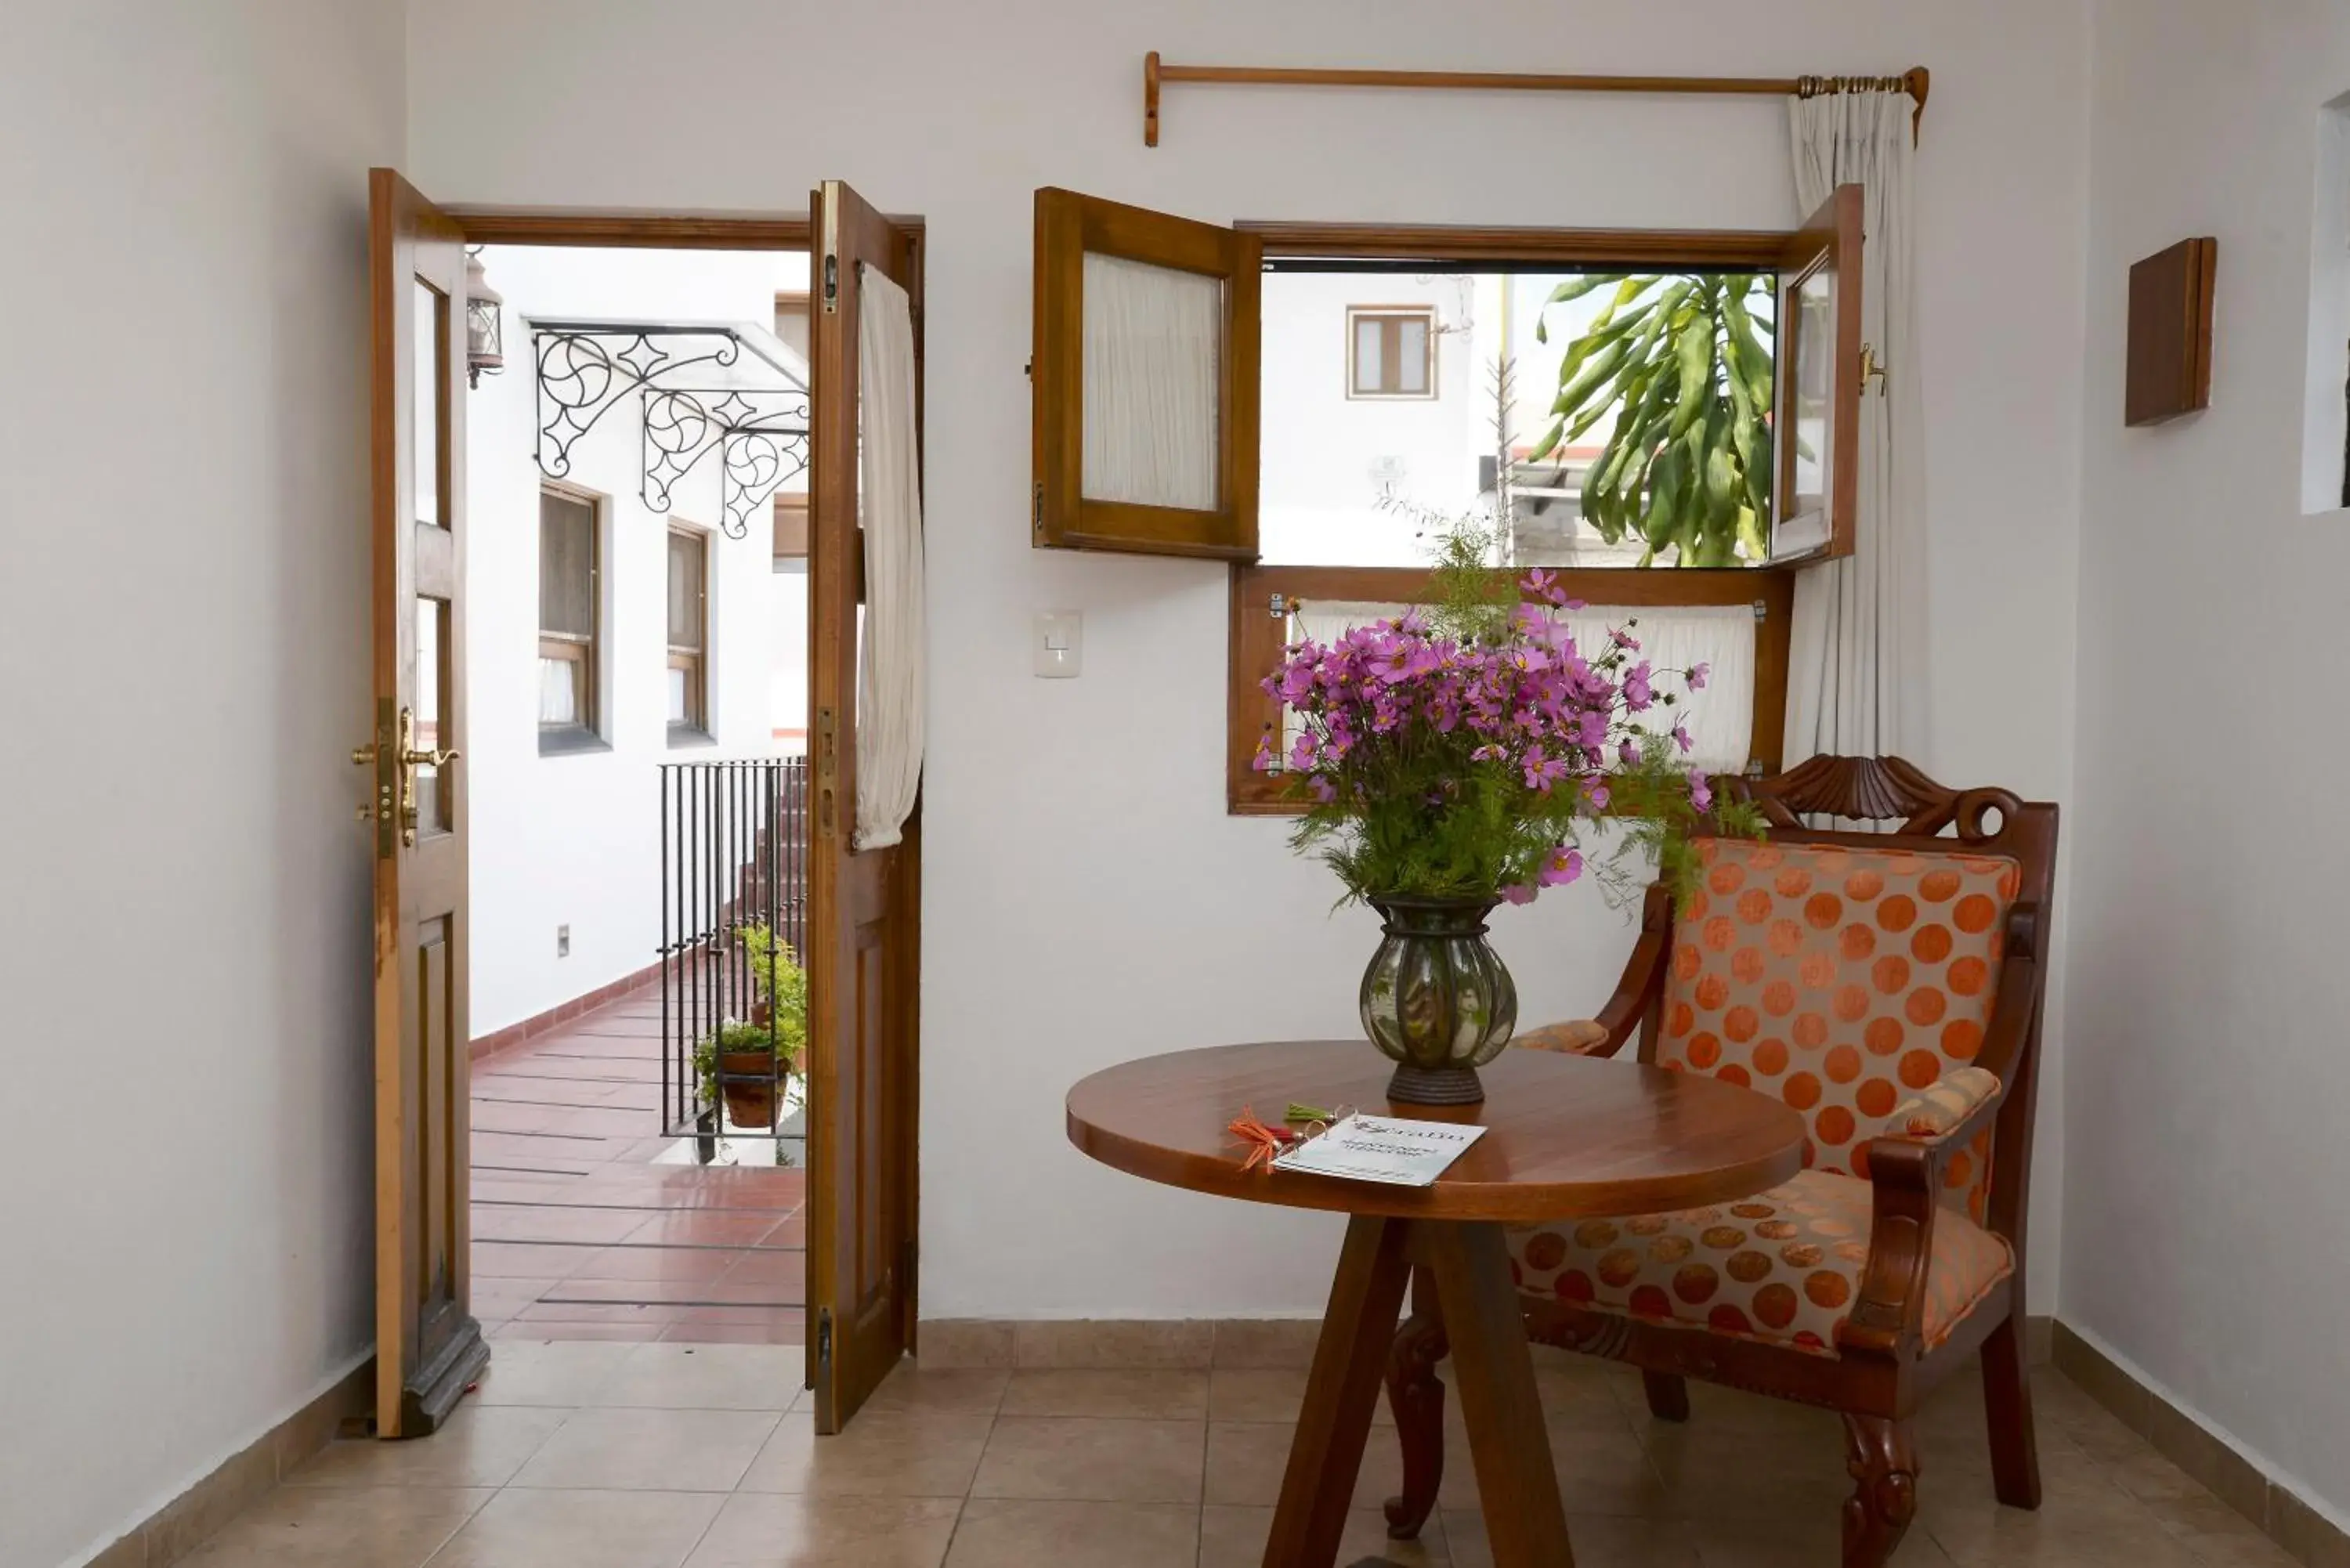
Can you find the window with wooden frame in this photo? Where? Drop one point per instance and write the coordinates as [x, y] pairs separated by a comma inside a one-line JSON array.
[[1391, 351], [689, 636], [570, 620], [1319, 564]]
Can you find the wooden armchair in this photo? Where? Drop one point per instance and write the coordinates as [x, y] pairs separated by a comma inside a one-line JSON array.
[[1888, 986]]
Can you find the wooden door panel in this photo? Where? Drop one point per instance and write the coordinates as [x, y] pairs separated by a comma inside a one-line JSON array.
[[429, 1347], [863, 904]]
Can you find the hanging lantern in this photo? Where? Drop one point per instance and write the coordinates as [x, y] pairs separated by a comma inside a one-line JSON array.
[[484, 326]]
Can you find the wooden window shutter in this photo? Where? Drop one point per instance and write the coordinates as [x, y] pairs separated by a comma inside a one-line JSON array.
[[1815, 417], [1145, 381]]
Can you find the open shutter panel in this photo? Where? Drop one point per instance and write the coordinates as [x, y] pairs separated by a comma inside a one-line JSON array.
[[1145, 381], [1816, 408]]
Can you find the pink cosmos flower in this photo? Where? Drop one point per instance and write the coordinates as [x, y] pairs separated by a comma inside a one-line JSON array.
[[1697, 674]]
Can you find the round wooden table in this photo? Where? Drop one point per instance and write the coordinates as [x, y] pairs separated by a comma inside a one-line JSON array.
[[1566, 1138]]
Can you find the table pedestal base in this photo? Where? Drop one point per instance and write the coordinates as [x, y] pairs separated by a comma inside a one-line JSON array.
[[1493, 1369]]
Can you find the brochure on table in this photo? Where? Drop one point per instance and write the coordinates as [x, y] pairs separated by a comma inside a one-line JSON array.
[[1382, 1148]]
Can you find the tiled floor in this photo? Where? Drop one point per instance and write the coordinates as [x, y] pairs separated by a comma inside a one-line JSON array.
[[587, 1225], [651, 1456]]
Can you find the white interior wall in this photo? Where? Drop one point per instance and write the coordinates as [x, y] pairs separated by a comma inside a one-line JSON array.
[[183, 670], [2204, 1226], [574, 838], [1087, 899]]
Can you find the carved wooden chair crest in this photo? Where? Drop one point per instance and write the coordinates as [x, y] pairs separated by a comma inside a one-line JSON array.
[[1887, 986]]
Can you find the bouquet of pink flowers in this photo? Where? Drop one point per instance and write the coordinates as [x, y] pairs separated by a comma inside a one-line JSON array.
[[1467, 750]]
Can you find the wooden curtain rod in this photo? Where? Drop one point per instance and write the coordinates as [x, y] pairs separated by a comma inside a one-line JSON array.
[[1914, 81]]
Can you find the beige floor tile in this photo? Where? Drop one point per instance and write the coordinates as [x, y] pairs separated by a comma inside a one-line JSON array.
[[650, 1451], [1807, 1544], [1266, 1343], [776, 1531], [884, 1453], [1599, 1473], [961, 1342], [2076, 1526], [1234, 1538], [1092, 1459], [708, 1377], [1600, 1541], [963, 1390], [524, 1529], [1715, 1472], [563, 1372], [1000, 1533], [340, 1527], [1269, 1394], [1247, 1460], [480, 1445], [1147, 1395]]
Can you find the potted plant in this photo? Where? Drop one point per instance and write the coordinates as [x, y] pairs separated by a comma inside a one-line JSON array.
[[745, 1061], [1456, 757]]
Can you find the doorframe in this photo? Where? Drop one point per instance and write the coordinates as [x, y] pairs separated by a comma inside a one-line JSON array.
[[589, 228]]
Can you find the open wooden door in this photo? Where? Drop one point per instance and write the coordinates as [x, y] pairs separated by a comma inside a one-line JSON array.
[[428, 1344], [863, 958], [1815, 420]]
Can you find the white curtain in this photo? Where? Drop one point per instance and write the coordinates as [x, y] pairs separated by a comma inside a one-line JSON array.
[[1855, 679], [890, 647], [1152, 339], [1720, 718]]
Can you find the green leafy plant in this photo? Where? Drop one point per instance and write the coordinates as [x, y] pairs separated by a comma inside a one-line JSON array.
[[782, 986], [1681, 359]]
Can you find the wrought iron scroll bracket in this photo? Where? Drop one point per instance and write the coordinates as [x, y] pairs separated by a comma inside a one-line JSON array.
[[761, 437], [583, 371]]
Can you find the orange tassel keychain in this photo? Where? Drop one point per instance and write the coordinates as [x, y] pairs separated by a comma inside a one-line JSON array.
[[1262, 1142]]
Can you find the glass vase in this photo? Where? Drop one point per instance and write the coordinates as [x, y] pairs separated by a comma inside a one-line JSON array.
[[1436, 998]]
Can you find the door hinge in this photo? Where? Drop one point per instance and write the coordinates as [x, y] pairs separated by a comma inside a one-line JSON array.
[[824, 1337], [1037, 508], [1762, 609]]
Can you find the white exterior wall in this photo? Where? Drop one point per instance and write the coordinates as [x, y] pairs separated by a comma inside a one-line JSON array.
[[183, 672], [574, 838], [2205, 1230], [1087, 899]]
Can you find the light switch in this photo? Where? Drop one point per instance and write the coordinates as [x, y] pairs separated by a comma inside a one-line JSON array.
[[1058, 643]]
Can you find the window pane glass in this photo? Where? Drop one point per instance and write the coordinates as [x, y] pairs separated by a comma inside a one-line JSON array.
[[432, 340], [431, 707], [1369, 373], [1153, 345], [680, 694], [1411, 354], [566, 560], [1721, 718], [1364, 480], [687, 553], [561, 688], [1815, 334]]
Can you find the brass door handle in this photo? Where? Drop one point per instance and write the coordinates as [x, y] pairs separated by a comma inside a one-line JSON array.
[[416, 759], [410, 761]]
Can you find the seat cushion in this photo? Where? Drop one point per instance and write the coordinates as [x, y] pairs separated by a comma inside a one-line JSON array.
[[1840, 981], [1782, 1266]]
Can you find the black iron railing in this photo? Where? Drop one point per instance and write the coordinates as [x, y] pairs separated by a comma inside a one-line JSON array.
[[733, 911]]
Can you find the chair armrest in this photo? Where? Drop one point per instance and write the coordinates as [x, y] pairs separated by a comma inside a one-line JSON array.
[[1905, 1178], [1644, 977]]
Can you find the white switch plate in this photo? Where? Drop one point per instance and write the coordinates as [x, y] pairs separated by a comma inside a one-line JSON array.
[[1058, 644]]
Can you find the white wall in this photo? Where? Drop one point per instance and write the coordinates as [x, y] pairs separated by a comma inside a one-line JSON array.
[[574, 838], [1087, 899], [2205, 1230], [182, 675]]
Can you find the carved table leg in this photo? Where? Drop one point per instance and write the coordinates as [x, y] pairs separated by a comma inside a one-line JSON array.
[[1417, 1395], [1508, 1442], [1882, 1457], [1341, 1395]]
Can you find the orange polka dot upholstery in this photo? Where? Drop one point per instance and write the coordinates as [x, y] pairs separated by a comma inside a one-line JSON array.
[[1936, 1112], [1841, 981], [1784, 1266]]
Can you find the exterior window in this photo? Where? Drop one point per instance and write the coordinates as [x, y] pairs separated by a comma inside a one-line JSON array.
[[689, 634], [569, 593], [1390, 352]]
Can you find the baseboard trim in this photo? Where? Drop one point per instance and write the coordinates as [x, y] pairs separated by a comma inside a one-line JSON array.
[[531, 1028], [2277, 1509], [1181, 1344], [237, 1482]]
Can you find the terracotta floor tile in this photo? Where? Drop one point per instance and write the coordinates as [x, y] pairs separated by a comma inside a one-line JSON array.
[[778, 1329], [784, 1268], [526, 1260], [656, 1262], [705, 1227], [549, 1222]]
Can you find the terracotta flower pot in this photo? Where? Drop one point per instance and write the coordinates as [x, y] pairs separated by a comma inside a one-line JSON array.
[[748, 1105]]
